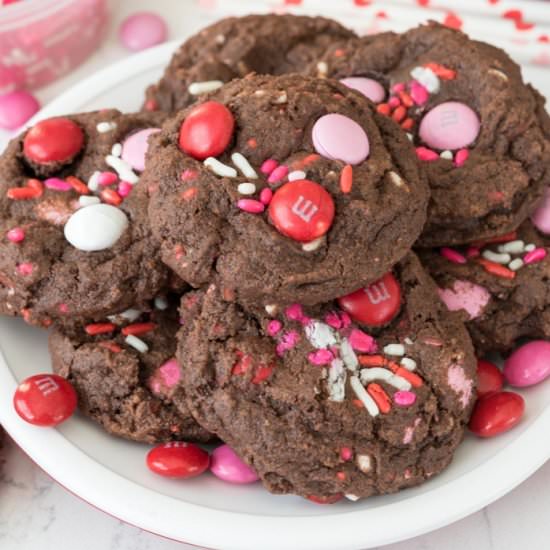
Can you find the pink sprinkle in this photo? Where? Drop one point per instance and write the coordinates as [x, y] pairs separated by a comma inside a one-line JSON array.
[[404, 398], [398, 87], [15, 235], [436, 342], [278, 174], [473, 252], [294, 312], [266, 195], [346, 319], [418, 93], [251, 206], [394, 102], [57, 184], [268, 166], [107, 178], [361, 341], [346, 453], [423, 153], [188, 175], [461, 157], [274, 327], [25, 268], [124, 188], [452, 255], [288, 341], [320, 357], [534, 256], [63, 308], [333, 320]]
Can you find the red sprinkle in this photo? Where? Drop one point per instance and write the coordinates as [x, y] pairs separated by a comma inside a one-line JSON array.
[[99, 328], [262, 373], [341, 476], [398, 87], [32, 190], [399, 114], [496, 269], [441, 71], [452, 255], [380, 397], [111, 346], [372, 360], [189, 194], [243, 363], [407, 124], [78, 185], [107, 178], [406, 99], [383, 109], [137, 329], [425, 154], [346, 179], [414, 379], [110, 196], [507, 237], [16, 235], [473, 252]]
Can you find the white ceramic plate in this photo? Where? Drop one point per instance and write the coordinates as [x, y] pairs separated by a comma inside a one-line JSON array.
[[111, 473]]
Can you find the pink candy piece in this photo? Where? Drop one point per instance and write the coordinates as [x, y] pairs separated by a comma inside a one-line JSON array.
[[465, 295], [135, 147], [266, 195], [398, 87], [404, 398], [534, 256], [268, 166], [320, 357], [226, 465], [370, 88], [528, 365], [278, 174], [294, 312], [346, 453], [16, 108], [124, 188], [418, 93], [107, 178], [274, 327], [452, 255], [142, 30], [450, 125], [25, 268], [541, 217], [461, 157], [338, 137], [362, 342], [394, 102], [425, 154], [251, 206], [57, 184], [16, 235]]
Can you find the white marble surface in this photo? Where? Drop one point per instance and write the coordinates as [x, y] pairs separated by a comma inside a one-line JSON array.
[[36, 513]]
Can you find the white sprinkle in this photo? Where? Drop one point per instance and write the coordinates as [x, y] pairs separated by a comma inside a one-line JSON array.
[[116, 150], [408, 363], [219, 168], [448, 155], [348, 355], [336, 381], [122, 168], [86, 200], [351, 497], [130, 314], [320, 335], [259, 93], [311, 246], [322, 69], [363, 396], [394, 349], [296, 175], [364, 463], [427, 78], [241, 162], [136, 343], [283, 98], [513, 247], [246, 188], [497, 258], [378, 373], [103, 127], [516, 264], [499, 74], [408, 341], [271, 309], [530, 247], [93, 182], [197, 88], [161, 303], [396, 179]]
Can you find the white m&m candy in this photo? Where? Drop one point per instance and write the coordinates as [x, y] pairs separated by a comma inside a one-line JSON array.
[[95, 227]]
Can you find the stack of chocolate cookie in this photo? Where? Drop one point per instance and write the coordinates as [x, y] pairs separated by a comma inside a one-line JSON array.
[[236, 262]]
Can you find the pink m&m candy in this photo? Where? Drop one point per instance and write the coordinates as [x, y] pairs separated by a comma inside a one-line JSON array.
[[135, 147], [370, 88], [142, 30], [465, 295], [16, 108], [178, 459], [338, 137], [227, 466], [528, 365], [541, 217], [451, 125]]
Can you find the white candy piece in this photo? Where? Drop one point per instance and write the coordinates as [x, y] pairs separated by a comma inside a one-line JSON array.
[[512, 247], [408, 363], [497, 258], [394, 349], [196, 88], [136, 343], [297, 175], [103, 127], [95, 227], [446, 155], [530, 247], [241, 162], [219, 168], [516, 264], [246, 188]]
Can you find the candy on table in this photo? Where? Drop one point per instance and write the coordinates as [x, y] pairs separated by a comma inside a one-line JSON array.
[[496, 413], [489, 378], [16, 108], [529, 364], [178, 459], [369, 87], [228, 466], [142, 30]]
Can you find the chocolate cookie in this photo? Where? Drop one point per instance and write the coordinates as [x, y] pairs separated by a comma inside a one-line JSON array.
[[237, 46], [124, 372], [481, 133], [501, 286], [284, 189], [318, 402], [75, 238]]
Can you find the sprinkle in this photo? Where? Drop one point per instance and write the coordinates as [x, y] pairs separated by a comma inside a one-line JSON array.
[[399, 114], [251, 206], [322, 69], [408, 363], [116, 150], [425, 154], [516, 264], [512, 247], [103, 127], [372, 360], [189, 194], [407, 124], [282, 98], [16, 235], [161, 303], [498, 74], [263, 372], [88, 201], [346, 453], [111, 346], [362, 342], [473, 252], [364, 463], [110, 196], [296, 175], [346, 179], [278, 174], [93, 182], [136, 343], [246, 188], [129, 314], [188, 175], [266, 195], [394, 102], [363, 396], [244, 166], [410, 377], [320, 357], [497, 258], [380, 397], [197, 88], [496, 269], [396, 179], [25, 268], [398, 87], [512, 236], [268, 166], [336, 381], [107, 178], [441, 71], [452, 255], [447, 155], [427, 78], [530, 247], [78, 185], [534, 256], [312, 246], [353, 498], [138, 329], [408, 341], [99, 328], [348, 355], [406, 99], [124, 188], [383, 109], [320, 335], [57, 184], [252, 143], [274, 327], [429, 341], [410, 137], [394, 349], [461, 157], [26, 193], [419, 93], [378, 373], [220, 169], [294, 312], [122, 168], [404, 398], [271, 309]]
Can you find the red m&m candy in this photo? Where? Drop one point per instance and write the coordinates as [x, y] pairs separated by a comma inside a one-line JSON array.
[[302, 210], [489, 378], [178, 459], [45, 400], [375, 305], [53, 140], [496, 413], [207, 130]]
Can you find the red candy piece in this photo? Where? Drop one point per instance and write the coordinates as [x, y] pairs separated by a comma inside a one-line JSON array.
[[489, 378], [45, 400], [496, 413], [302, 210], [178, 459], [375, 305], [207, 130], [53, 140], [331, 499]]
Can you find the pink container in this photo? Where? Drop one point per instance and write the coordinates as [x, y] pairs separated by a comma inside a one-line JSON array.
[[41, 40]]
